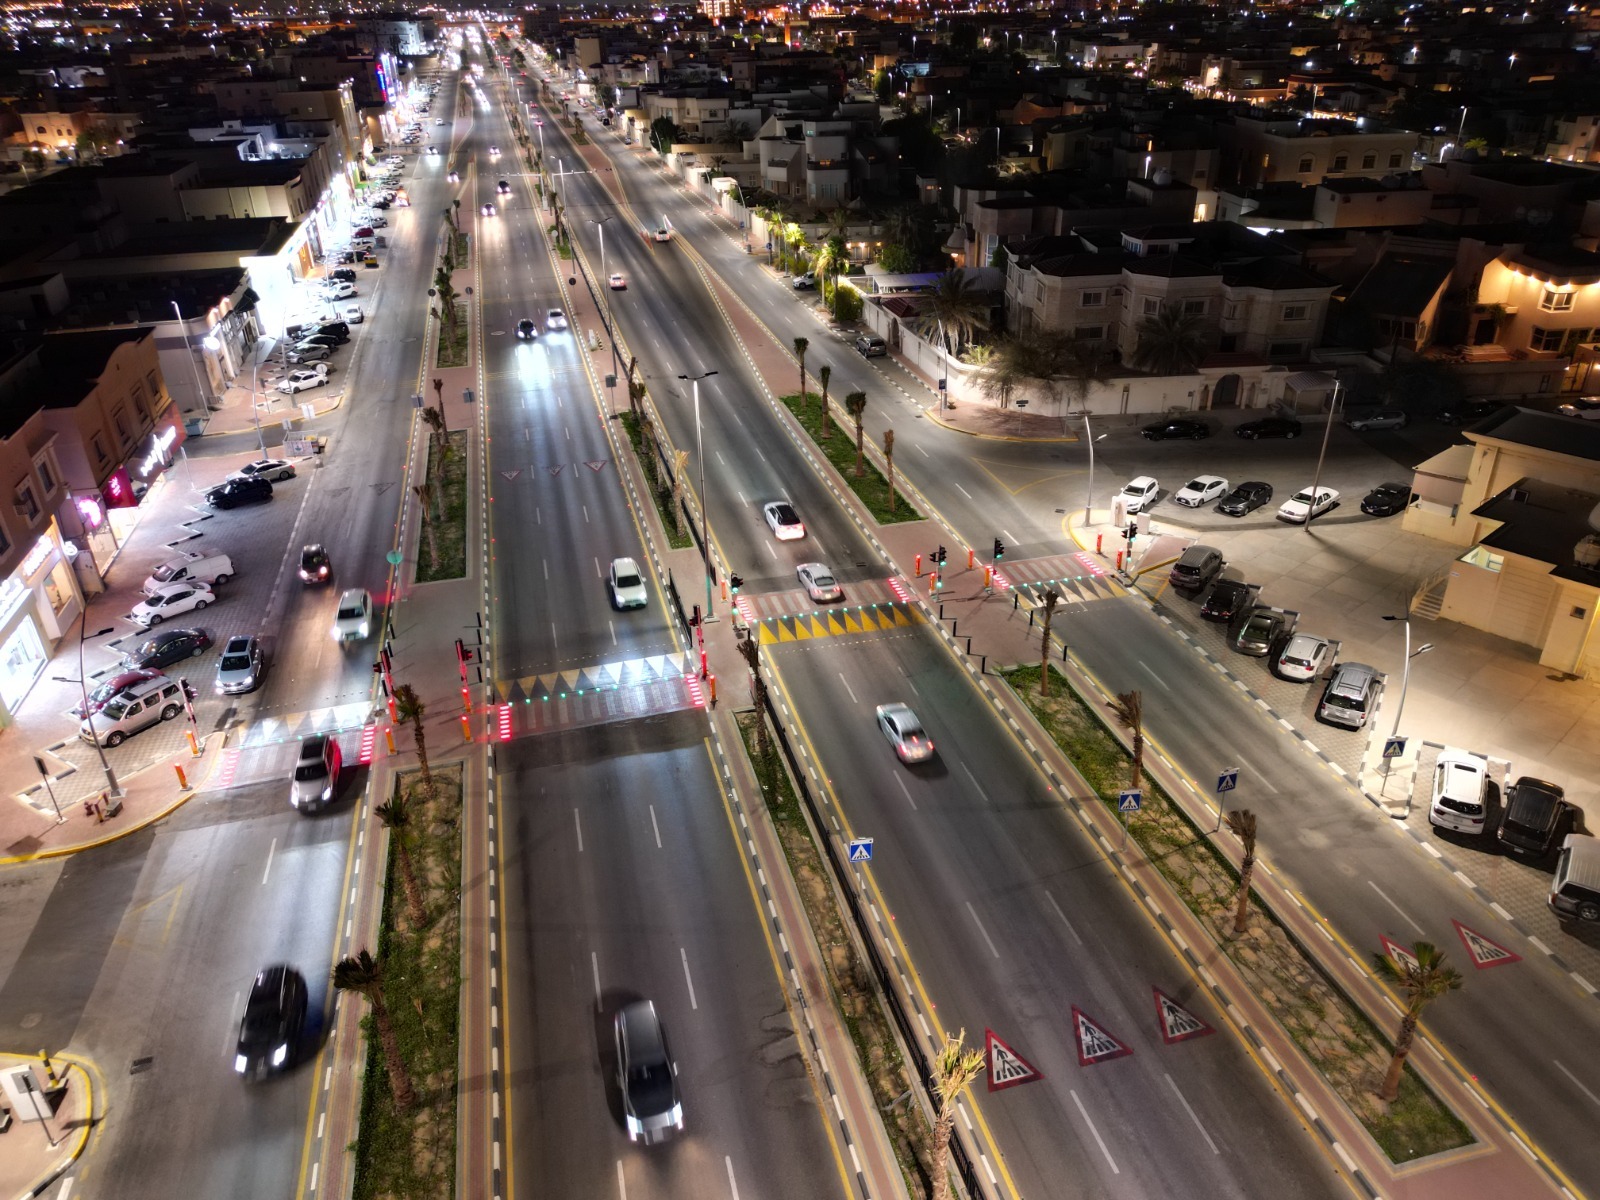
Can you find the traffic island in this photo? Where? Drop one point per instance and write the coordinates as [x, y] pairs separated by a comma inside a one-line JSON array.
[[1330, 1029], [843, 446], [849, 980], [409, 1152], [454, 338], [442, 507], [673, 522]]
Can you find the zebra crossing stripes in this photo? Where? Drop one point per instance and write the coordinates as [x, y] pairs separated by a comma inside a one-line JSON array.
[[794, 601], [837, 622], [597, 706], [610, 676], [1062, 572], [292, 727]]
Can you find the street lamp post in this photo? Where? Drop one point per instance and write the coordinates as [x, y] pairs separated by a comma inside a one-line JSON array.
[[112, 785], [605, 308], [199, 388], [1327, 432], [705, 511], [263, 351], [1088, 497]]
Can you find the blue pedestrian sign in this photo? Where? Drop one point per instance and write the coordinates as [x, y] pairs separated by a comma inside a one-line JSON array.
[[1394, 747], [1227, 779], [1129, 801], [860, 849]]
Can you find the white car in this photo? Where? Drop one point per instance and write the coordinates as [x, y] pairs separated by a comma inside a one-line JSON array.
[[351, 314], [1304, 657], [169, 600], [555, 319], [352, 620], [433, 150], [1140, 493], [905, 733], [819, 582], [785, 522], [1585, 408], [618, 283], [299, 381], [1460, 784], [275, 469], [1303, 505], [627, 584], [339, 289], [186, 568], [1202, 489]]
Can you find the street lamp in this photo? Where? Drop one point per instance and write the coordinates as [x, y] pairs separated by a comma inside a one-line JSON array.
[[112, 785], [183, 327], [1405, 681], [605, 308], [263, 351], [1088, 497], [705, 511], [1299, 382]]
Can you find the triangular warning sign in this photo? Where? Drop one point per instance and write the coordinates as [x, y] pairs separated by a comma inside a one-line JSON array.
[[1398, 954], [557, 470], [1095, 1045], [1007, 1068], [512, 474], [1178, 1024], [1484, 952], [595, 466]]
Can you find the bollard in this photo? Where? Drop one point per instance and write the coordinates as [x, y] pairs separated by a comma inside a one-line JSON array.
[[194, 746], [466, 728], [1119, 560], [394, 711], [388, 736], [1098, 539], [724, 586], [711, 681], [183, 780], [933, 582], [988, 577], [704, 671], [972, 558], [919, 566], [49, 1069], [466, 699]]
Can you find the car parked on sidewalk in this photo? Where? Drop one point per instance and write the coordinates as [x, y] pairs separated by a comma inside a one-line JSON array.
[[133, 710], [1245, 498], [1139, 493], [1260, 631], [1460, 791], [803, 282], [1269, 427], [1305, 504], [1227, 600], [1387, 499], [171, 600], [1178, 428], [1303, 657], [1535, 813], [118, 683], [241, 666]]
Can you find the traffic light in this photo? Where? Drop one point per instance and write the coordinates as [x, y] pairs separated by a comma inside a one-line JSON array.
[[694, 619], [939, 557], [1133, 528], [735, 582], [999, 549]]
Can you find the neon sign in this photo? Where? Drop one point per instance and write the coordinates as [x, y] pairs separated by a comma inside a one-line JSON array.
[[37, 555], [89, 511], [158, 451]]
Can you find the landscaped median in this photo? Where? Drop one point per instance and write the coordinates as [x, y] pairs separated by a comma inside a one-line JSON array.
[[1332, 1031], [844, 447], [442, 506], [668, 508]]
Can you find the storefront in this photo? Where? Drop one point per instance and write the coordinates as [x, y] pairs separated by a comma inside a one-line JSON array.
[[38, 604], [109, 515]]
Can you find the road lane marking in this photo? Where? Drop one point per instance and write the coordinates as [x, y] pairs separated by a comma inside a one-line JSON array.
[[622, 1184], [898, 778], [546, 562], [687, 978], [655, 826], [612, 625], [554, 637], [1183, 1100], [1397, 908], [270, 849], [594, 965], [1560, 1067], [578, 825], [1070, 928], [1256, 774], [721, 461], [586, 520], [981, 929], [733, 1184], [923, 452], [1100, 1140], [598, 573], [848, 688], [975, 782], [1154, 676], [1011, 537]]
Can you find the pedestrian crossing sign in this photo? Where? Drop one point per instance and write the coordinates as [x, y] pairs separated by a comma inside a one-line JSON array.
[[860, 850]]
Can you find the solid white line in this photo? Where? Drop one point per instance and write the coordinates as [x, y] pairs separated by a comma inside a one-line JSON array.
[[1096, 1132], [982, 930], [687, 978], [1183, 1100], [270, 849], [975, 782], [598, 573], [923, 452], [654, 826], [622, 1184], [1063, 917], [1560, 1067], [733, 1184], [578, 825], [66, 1188], [1396, 907], [594, 965], [1256, 773], [612, 625], [964, 491], [898, 779], [848, 688], [546, 563]]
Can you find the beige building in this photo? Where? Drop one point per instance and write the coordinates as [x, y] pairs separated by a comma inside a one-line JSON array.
[[1523, 494], [1257, 150]]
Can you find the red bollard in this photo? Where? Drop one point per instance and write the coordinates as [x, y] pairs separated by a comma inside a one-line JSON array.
[[704, 673], [919, 566], [972, 558], [1098, 539], [183, 780], [711, 681], [1119, 560], [466, 728], [988, 577]]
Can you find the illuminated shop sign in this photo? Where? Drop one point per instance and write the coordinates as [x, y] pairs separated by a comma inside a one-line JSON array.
[[160, 443], [36, 556], [90, 511], [118, 490]]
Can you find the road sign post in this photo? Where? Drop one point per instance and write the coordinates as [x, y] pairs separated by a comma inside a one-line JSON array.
[[861, 850], [1128, 802], [1227, 780]]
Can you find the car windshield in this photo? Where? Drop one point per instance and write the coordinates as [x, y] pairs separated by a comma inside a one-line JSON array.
[[350, 613], [118, 709], [1198, 485], [627, 580], [1334, 700], [784, 515], [1302, 497], [306, 772], [235, 662], [166, 571]]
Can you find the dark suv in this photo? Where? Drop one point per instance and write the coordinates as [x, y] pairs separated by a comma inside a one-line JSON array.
[[1227, 600], [239, 491], [1534, 813]]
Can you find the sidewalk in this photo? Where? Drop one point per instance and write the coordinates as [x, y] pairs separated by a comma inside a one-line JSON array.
[[29, 1162]]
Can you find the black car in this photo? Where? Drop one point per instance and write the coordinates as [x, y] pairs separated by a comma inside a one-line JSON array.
[[337, 328], [1161, 431], [1227, 600], [344, 273], [315, 566], [1466, 412], [168, 646], [382, 203], [1387, 499], [345, 256], [503, 188], [1269, 427], [239, 491], [274, 1020], [527, 331], [1246, 498]]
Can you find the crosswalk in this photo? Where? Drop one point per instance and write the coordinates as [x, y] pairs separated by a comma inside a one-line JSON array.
[[292, 727], [836, 622]]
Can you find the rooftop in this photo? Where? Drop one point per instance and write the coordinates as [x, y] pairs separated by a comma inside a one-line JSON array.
[[1540, 431], [1545, 523]]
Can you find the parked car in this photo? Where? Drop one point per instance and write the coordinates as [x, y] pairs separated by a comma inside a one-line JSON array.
[[118, 683], [316, 773], [300, 381], [1202, 489], [1305, 504], [167, 647], [1260, 631], [235, 492], [171, 600], [1227, 600], [1586, 408], [870, 345], [647, 1078], [1535, 812], [240, 668], [1182, 428], [303, 352], [208, 568], [1303, 658], [133, 710], [1387, 499], [1376, 418], [803, 282], [905, 733], [1269, 427], [1350, 696], [1575, 888], [1460, 791], [818, 581], [344, 273], [352, 313], [1139, 493], [1195, 568], [1245, 498], [1466, 412], [339, 290]]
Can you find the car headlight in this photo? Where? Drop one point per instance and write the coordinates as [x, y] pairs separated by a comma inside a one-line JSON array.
[[338, 636], [677, 1115], [327, 792], [281, 1053], [361, 630], [241, 1064], [635, 1127]]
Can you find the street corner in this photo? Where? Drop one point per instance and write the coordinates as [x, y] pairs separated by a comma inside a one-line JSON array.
[[46, 1116], [992, 425]]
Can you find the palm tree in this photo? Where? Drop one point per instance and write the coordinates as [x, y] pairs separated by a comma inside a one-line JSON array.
[[801, 345], [410, 709], [902, 226], [363, 974], [1420, 985], [952, 307], [856, 405], [1171, 342], [824, 374], [1051, 599], [888, 458], [839, 223], [433, 418], [953, 1069], [1242, 824], [395, 816], [751, 649], [1128, 709], [680, 460], [447, 299]]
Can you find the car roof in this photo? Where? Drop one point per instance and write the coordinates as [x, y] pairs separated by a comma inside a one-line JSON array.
[[1141, 481], [351, 595], [238, 642], [624, 564]]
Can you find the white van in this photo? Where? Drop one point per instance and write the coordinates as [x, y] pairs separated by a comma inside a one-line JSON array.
[[205, 568]]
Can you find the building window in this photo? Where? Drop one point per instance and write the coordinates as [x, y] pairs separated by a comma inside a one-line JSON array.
[[119, 418], [1150, 306], [1092, 300], [1286, 349], [1089, 333], [1038, 291], [99, 449], [154, 384], [1194, 308], [1546, 339], [1231, 310], [47, 474], [1340, 161], [139, 404], [1305, 165], [27, 506], [1394, 161], [1296, 312], [1554, 301], [1368, 161]]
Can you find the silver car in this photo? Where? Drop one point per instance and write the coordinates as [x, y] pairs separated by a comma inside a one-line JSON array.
[[1377, 418], [241, 666], [1304, 657], [905, 733], [819, 582]]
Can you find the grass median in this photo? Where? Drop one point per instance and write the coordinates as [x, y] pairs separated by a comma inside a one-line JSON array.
[[1330, 1028], [442, 548], [839, 448], [671, 515], [453, 342]]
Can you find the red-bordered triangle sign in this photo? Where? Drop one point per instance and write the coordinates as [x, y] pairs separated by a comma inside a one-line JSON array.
[[1485, 953], [1398, 954], [1095, 1045], [1007, 1068], [510, 475], [1178, 1024]]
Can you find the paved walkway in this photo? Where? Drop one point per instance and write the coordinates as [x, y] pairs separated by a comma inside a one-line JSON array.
[[38, 1146]]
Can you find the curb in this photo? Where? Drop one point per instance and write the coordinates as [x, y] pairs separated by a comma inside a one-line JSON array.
[[55, 1172], [1068, 440]]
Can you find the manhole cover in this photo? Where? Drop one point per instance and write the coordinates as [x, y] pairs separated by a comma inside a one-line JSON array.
[[141, 1064]]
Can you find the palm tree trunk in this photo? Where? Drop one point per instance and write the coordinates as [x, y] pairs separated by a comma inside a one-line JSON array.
[[1241, 910], [1397, 1063], [422, 751], [405, 1095], [1050, 600], [408, 875], [859, 471], [943, 1129]]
